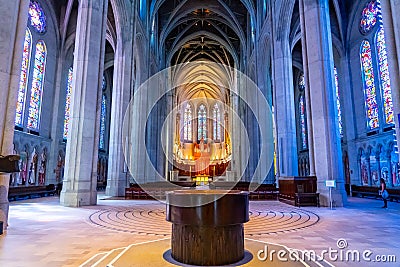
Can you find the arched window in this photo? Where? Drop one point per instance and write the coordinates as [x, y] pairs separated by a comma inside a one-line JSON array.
[[37, 17], [202, 123], [37, 86], [23, 81], [103, 114], [217, 123], [187, 123], [339, 110], [384, 78], [369, 86], [369, 17], [67, 112], [303, 126]]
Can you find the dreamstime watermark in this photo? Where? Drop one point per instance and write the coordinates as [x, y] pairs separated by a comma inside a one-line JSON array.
[[340, 253]]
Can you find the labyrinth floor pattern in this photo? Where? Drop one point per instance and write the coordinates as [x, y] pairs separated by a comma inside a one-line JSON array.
[[265, 218]]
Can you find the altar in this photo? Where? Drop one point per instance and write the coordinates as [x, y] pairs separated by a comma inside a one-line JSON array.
[[202, 179]]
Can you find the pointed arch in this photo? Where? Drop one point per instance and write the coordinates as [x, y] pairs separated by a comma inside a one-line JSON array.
[[103, 114], [217, 123], [23, 81], [368, 78], [67, 112], [187, 123], [37, 86], [384, 79], [303, 126], [338, 107], [202, 122]]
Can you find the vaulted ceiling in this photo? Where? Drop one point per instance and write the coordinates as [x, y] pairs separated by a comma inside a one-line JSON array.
[[214, 30]]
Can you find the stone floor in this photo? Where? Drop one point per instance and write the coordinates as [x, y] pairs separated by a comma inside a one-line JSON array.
[[135, 233]]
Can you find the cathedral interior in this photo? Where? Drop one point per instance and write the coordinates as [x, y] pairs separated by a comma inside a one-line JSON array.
[[112, 104]]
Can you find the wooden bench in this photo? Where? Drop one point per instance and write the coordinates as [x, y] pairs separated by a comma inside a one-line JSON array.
[[299, 190], [373, 192], [306, 199], [15, 193], [158, 190], [262, 191]]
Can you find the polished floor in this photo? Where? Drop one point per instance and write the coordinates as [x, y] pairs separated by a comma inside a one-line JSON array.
[[135, 233]]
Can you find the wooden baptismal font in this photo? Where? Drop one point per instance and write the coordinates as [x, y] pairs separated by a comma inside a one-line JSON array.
[[207, 226]]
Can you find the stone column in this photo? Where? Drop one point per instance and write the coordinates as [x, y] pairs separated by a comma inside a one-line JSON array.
[[326, 139], [284, 109], [79, 185], [122, 87], [391, 23], [13, 19]]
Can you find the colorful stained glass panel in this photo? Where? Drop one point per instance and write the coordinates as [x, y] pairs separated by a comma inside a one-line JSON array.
[[187, 123], [339, 110], [217, 123], [384, 78], [303, 126], [23, 80], [369, 17], [67, 112], [103, 114], [37, 17], [202, 123], [369, 86], [37, 86]]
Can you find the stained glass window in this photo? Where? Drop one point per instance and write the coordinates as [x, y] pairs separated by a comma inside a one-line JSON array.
[[302, 82], [103, 113], [67, 112], [369, 17], [369, 86], [37, 17], [217, 123], [202, 123], [37, 86], [303, 126], [187, 123], [103, 83], [339, 110], [386, 90], [23, 80]]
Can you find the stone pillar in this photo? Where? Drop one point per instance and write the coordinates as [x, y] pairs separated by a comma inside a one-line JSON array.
[[284, 109], [13, 19], [79, 185], [318, 48], [122, 87], [391, 23]]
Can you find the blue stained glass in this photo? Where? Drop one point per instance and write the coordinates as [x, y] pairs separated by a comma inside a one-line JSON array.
[[103, 113], [202, 123], [339, 110], [37, 17], [217, 123], [369, 17], [303, 126]]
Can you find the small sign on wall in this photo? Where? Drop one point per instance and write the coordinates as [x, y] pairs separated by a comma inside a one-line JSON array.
[[330, 183]]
